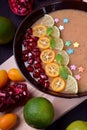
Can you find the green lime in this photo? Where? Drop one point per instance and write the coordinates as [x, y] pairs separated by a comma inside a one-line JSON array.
[[7, 30], [38, 112], [77, 125]]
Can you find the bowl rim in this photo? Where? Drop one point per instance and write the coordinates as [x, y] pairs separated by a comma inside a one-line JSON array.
[[17, 46]]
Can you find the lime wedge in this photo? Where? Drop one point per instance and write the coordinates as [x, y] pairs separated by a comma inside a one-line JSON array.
[[69, 70], [59, 44], [65, 57], [71, 85], [56, 32], [47, 20]]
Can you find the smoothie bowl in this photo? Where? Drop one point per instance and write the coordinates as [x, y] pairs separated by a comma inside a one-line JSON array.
[[50, 49]]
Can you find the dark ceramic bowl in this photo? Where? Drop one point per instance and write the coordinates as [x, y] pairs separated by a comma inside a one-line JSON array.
[[28, 22]]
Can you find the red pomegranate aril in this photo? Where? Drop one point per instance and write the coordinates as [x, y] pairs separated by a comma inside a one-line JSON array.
[[36, 74], [37, 65], [24, 58], [30, 68], [37, 60], [36, 50], [29, 48], [30, 61], [40, 81], [44, 76], [30, 55], [46, 84], [41, 70], [24, 52], [29, 31]]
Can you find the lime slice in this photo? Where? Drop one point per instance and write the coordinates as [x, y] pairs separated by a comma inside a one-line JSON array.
[[59, 44], [47, 20], [69, 70], [65, 57], [56, 32], [71, 85]]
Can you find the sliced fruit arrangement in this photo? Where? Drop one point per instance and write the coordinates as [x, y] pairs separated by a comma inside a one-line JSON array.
[[44, 41]]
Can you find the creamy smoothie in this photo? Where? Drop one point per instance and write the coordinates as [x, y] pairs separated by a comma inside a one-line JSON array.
[[75, 31]]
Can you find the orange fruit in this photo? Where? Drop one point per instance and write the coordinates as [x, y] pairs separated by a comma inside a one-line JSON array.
[[38, 112], [7, 30], [47, 56], [3, 78], [7, 121], [58, 84], [44, 42], [15, 75], [52, 69], [39, 30]]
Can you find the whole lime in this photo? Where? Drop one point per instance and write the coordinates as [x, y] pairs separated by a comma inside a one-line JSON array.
[[7, 30], [38, 112], [77, 125]]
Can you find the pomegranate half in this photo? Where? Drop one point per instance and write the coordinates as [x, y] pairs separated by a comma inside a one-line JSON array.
[[21, 7]]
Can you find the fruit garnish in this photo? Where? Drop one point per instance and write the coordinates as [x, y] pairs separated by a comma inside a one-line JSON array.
[[38, 112], [47, 56], [21, 7], [63, 72], [52, 43], [69, 70], [49, 31], [65, 57], [71, 85], [59, 44], [52, 69], [58, 84], [59, 59], [47, 20], [39, 30], [56, 32], [43, 42]]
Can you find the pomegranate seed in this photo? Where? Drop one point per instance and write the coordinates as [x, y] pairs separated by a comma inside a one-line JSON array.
[[30, 68], [44, 76], [37, 65]]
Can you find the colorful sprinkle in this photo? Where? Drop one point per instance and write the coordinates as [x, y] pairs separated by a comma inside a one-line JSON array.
[[61, 27], [68, 43], [76, 44], [65, 20], [56, 20], [73, 67], [81, 69], [70, 51], [78, 77]]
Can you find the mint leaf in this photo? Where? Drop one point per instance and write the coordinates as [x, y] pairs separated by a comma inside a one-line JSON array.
[[49, 31], [59, 59], [63, 72], [52, 43]]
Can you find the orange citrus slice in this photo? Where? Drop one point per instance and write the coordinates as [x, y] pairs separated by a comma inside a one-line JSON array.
[[52, 69], [44, 42], [39, 30], [58, 84], [47, 56]]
